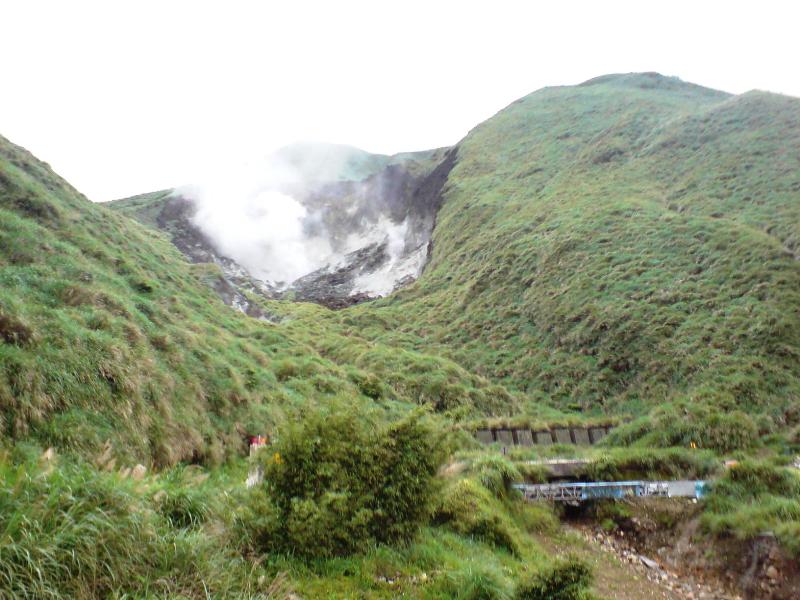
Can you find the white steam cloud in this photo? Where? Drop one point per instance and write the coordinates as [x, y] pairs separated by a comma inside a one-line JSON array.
[[262, 230], [253, 216]]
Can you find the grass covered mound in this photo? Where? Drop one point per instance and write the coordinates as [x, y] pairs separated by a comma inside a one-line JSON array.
[[568, 579], [692, 425], [469, 509], [756, 497], [70, 531]]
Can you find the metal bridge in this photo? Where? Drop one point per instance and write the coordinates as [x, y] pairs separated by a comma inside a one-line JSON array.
[[574, 493]]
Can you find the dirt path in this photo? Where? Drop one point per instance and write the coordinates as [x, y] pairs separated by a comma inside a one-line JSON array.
[[622, 575]]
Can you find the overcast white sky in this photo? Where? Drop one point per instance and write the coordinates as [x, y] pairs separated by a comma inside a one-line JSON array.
[[126, 97]]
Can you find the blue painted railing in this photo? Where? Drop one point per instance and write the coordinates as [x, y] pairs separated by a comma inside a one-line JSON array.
[[583, 491]]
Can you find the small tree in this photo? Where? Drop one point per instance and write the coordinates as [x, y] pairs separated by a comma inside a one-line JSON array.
[[336, 482]]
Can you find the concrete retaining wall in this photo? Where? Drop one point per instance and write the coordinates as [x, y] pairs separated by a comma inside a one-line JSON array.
[[524, 437], [562, 435], [508, 437]]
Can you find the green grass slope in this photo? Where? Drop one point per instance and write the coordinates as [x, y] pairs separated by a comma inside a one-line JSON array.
[[618, 244], [144, 208], [107, 334]]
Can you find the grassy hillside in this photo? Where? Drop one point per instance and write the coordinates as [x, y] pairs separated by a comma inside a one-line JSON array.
[[609, 247], [627, 246], [618, 244], [108, 334], [143, 207]]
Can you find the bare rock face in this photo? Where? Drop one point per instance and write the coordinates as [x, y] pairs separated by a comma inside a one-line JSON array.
[[379, 230], [176, 217], [334, 286]]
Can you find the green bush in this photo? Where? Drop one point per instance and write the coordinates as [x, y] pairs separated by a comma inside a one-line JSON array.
[[469, 509], [751, 479], [567, 579], [368, 384], [789, 535], [184, 508], [532, 473], [185, 498], [337, 482], [496, 473], [535, 517], [286, 369]]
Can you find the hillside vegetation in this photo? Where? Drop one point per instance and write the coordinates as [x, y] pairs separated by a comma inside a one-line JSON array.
[[615, 245], [606, 247], [107, 335]]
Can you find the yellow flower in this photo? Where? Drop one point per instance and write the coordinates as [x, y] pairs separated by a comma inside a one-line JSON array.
[[276, 458]]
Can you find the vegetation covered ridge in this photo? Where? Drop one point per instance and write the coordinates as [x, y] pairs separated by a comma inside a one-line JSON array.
[[617, 245], [108, 334]]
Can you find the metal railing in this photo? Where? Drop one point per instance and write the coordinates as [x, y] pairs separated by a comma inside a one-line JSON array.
[[583, 491]]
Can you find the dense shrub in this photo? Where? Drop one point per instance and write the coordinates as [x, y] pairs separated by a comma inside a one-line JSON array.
[[286, 369], [567, 579], [368, 384], [470, 509], [185, 498], [496, 473], [337, 482], [533, 473], [751, 479]]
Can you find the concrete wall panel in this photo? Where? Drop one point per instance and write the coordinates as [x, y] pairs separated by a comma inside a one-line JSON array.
[[505, 437], [562, 436], [597, 433], [524, 437], [581, 436], [484, 436]]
